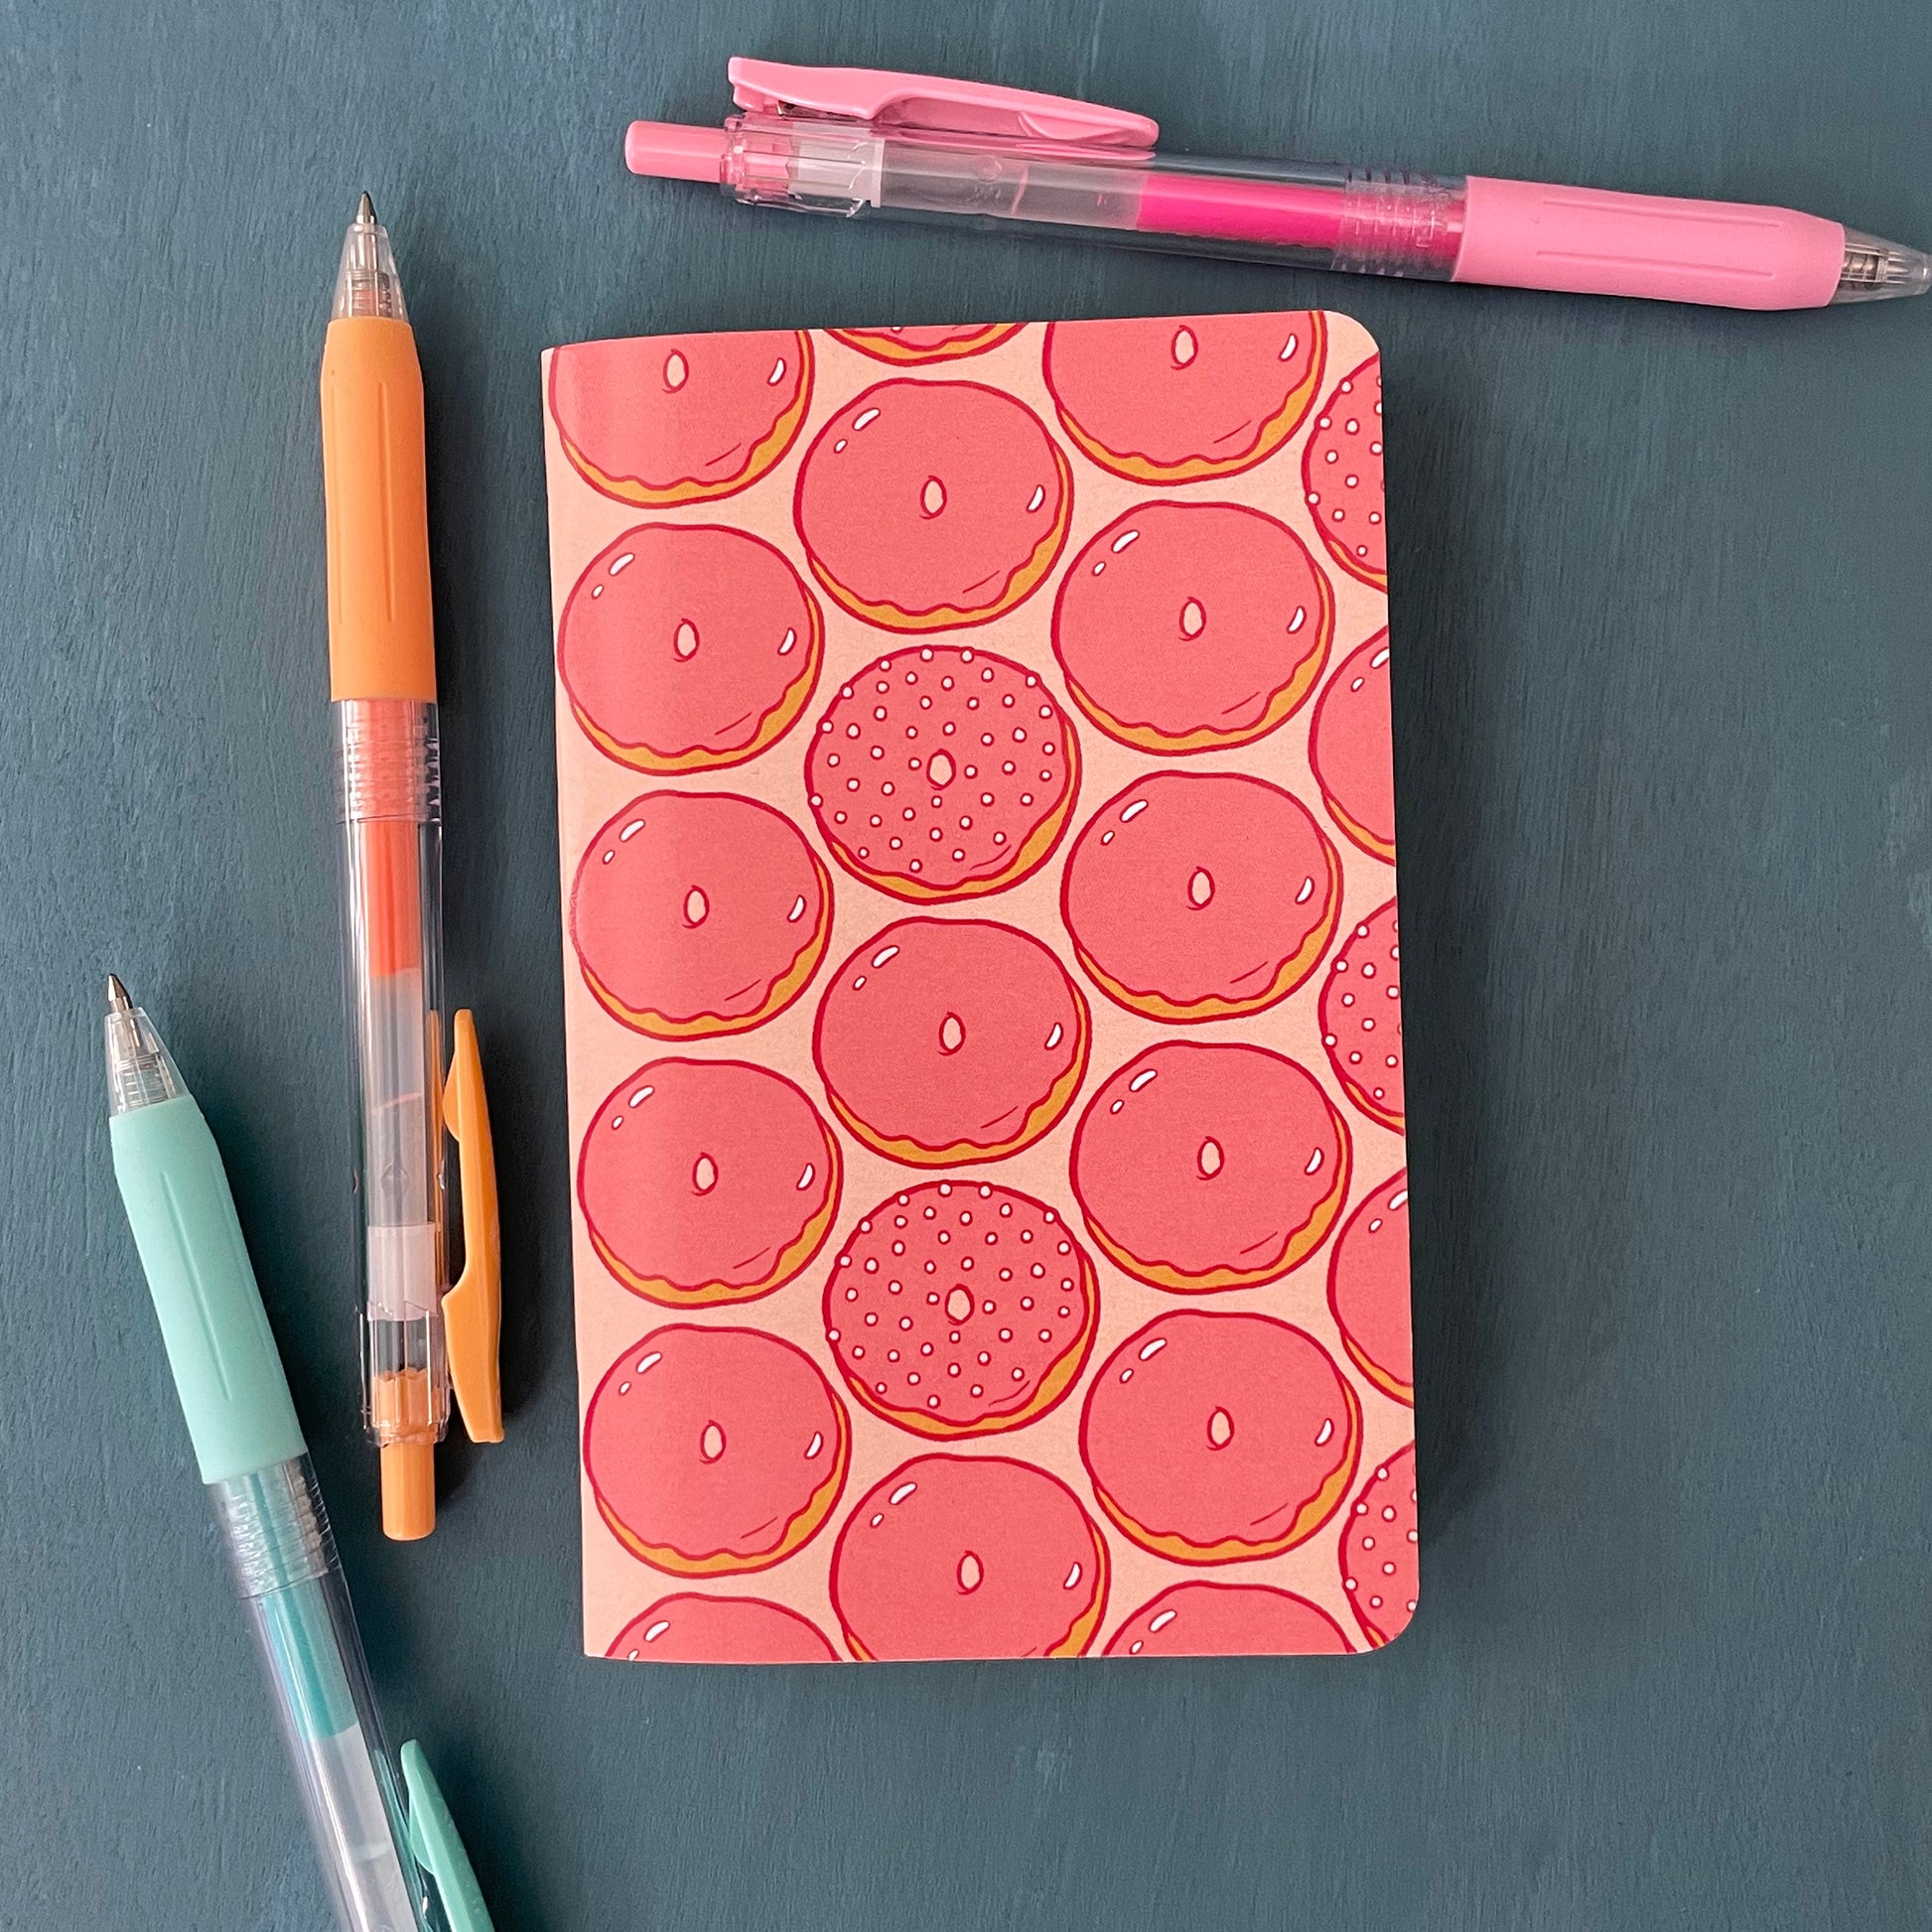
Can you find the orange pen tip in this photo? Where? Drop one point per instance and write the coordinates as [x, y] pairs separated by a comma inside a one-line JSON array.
[[408, 1490]]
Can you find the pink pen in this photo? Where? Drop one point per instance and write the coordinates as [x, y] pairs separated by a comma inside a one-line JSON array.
[[860, 141]]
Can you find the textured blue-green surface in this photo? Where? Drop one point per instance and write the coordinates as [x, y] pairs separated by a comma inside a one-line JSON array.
[[1664, 721]]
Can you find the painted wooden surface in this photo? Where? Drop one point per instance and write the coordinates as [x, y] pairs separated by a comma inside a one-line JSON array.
[[1664, 723]]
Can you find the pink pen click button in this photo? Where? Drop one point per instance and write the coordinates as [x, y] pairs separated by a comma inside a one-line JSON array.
[[675, 153]]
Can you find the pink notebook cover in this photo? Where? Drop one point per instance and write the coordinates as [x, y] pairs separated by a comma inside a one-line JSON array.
[[985, 1047]]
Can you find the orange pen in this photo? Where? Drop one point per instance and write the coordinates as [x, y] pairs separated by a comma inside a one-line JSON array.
[[383, 681]]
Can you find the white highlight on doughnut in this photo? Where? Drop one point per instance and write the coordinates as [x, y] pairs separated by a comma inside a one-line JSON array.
[[628, 557], [1140, 1080], [696, 908], [1200, 887], [792, 637], [704, 1174], [900, 1494], [933, 499], [884, 953], [777, 374], [1380, 658], [1184, 348], [797, 912], [650, 1361], [1054, 1039], [1133, 811], [952, 1034], [1314, 1163], [1307, 893], [1328, 1430], [804, 1180], [656, 1630], [814, 1446], [1154, 1348], [1037, 497], [1398, 1200], [1209, 1159], [1121, 542], [1299, 618], [711, 1444], [863, 417], [1289, 348], [676, 368], [642, 1094], [1220, 1429], [1072, 1578], [1165, 1618], [630, 831], [970, 1572]]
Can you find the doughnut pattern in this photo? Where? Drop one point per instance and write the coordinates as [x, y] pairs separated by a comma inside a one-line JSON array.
[[984, 1008]]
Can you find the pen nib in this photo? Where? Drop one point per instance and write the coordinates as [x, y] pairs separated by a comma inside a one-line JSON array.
[[139, 1071], [366, 283]]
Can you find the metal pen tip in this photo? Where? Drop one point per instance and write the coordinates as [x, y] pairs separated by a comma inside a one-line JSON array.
[[118, 1000], [365, 209]]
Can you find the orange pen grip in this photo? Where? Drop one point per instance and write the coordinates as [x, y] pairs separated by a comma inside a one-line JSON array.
[[381, 642]]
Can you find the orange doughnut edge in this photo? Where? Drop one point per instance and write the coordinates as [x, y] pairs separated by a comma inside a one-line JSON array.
[[1268, 437], [1295, 970], [880, 347], [1042, 1117], [720, 1563], [1081, 1633], [712, 1025], [1402, 1392], [1053, 1388], [763, 455], [1360, 1097], [771, 727], [1300, 1245], [1029, 856], [1357, 835], [1285, 704], [790, 1263], [1309, 1518], [1021, 582]]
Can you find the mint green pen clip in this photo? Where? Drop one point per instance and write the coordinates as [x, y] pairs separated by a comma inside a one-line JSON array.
[[439, 1849]]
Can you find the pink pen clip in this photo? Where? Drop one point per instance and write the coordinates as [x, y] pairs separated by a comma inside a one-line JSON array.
[[884, 99]]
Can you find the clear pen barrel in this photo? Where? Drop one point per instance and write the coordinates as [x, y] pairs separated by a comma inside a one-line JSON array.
[[1370, 220], [283, 1557], [389, 795]]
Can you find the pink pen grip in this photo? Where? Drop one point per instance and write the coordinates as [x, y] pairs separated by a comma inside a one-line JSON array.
[[1589, 242]]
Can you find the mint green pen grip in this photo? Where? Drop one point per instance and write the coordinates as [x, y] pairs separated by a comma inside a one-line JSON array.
[[213, 1322]]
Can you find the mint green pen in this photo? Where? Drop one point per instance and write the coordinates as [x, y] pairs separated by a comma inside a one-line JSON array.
[[388, 1848]]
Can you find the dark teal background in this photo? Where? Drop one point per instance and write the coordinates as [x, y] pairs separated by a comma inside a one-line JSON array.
[[1664, 726]]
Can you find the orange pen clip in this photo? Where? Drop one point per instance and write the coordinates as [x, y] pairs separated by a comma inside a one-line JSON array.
[[472, 1309]]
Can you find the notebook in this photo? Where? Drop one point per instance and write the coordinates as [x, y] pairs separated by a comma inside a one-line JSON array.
[[983, 991]]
